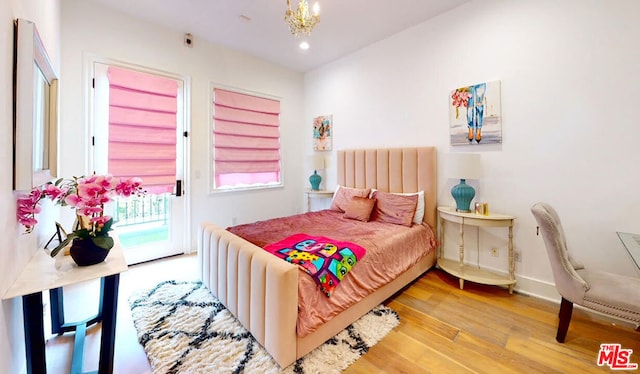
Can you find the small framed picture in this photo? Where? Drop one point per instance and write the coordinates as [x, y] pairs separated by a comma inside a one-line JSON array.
[[322, 133], [475, 114], [58, 235], [482, 209]]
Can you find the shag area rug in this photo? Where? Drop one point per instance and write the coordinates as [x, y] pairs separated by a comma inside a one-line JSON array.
[[185, 329]]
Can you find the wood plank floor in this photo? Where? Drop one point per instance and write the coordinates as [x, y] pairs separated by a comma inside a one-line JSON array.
[[443, 329], [483, 329]]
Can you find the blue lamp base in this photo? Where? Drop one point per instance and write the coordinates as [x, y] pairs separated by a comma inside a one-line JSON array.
[[315, 180], [463, 194]]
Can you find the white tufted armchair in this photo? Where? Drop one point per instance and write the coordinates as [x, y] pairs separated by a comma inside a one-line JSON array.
[[608, 293]]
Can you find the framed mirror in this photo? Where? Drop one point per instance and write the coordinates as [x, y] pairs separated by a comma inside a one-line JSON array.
[[35, 127]]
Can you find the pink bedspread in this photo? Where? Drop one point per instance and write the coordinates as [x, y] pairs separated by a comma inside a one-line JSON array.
[[391, 249]]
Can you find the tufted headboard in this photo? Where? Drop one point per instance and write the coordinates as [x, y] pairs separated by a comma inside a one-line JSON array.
[[392, 170]]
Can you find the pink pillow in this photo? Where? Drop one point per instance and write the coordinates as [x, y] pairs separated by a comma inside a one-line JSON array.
[[394, 208], [343, 196], [359, 208]]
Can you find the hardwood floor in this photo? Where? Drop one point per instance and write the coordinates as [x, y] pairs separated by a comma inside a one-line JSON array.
[[443, 329], [483, 329]]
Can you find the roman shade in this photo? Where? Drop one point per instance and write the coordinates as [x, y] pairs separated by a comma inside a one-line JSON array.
[[142, 128], [246, 139]]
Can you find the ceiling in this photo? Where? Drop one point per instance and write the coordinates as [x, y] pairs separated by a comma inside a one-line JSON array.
[[257, 27]]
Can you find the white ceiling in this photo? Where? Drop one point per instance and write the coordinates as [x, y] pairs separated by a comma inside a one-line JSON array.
[[345, 25]]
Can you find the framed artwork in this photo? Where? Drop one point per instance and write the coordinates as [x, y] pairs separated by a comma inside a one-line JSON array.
[[322, 130], [475, 114]]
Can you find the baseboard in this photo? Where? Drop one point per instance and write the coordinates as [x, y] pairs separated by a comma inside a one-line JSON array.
[[537, 288], [530, 286], [547, 291]]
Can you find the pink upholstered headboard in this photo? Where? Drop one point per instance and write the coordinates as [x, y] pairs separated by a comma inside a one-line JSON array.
[[392, 170]]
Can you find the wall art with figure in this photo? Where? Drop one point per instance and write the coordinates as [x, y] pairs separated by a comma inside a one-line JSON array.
[[475, 114], [322, 131]]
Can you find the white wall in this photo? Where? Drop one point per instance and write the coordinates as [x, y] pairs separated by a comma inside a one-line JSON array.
[[569, 74], [90, 29], [16, 249]]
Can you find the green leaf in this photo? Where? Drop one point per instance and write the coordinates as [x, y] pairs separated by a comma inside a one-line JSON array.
[[106, 228], [82, 233], [105, 242], [63, 244]]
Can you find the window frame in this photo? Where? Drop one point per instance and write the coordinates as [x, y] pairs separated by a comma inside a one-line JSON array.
[[211, 142]]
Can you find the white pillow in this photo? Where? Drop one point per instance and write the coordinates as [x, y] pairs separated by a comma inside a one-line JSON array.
[[418, 216], [334, 193]]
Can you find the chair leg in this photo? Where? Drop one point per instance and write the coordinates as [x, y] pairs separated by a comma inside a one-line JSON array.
[[566, 309]]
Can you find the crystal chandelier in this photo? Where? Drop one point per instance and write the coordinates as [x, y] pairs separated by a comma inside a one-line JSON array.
[[300, 21]]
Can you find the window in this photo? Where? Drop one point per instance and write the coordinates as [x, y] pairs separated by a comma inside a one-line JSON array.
[[246, 140]]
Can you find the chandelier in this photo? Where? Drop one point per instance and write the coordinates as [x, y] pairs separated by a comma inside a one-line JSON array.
[[300, 21]]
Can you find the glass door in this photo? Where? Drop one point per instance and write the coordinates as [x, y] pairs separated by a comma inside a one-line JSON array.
[[151, 226]]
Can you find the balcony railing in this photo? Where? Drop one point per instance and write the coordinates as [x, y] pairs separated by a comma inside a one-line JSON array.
[[142, 209]]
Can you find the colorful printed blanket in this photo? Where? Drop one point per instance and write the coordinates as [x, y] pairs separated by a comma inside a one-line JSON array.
[[327, 260]]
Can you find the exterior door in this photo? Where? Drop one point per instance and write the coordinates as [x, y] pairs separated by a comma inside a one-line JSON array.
[[154, 225]]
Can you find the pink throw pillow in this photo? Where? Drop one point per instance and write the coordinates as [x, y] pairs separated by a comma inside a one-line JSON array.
[[393, 208], [359, 208], [343, 196]]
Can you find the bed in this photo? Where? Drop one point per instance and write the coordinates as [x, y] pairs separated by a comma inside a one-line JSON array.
[[256, 286]]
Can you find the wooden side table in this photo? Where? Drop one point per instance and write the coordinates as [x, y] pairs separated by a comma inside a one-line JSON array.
[[472, 273], [45, 273], [323, 194]]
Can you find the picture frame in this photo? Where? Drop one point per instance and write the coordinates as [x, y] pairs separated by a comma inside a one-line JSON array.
[[322, 133], [475, 114], [60, 231], [35, 120]]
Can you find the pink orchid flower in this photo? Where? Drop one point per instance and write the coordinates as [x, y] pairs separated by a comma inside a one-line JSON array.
[[90, 211], [129, 186], [85, 194], [100, 220], [74, 201], [89, 189], [52, 191]]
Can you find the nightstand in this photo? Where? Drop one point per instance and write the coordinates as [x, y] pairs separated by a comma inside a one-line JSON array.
[[474, 273], [319, 194]]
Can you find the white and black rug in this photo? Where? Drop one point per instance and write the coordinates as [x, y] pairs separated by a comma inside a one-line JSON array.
[[185, 329]]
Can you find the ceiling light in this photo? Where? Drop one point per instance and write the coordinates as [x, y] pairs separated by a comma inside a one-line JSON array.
[[300, 21], [304, 46]]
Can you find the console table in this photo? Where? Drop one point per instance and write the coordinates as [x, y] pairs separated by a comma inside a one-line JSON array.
[[472, 273], [45, 273]]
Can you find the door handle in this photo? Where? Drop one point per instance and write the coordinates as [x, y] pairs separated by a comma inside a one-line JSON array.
[[178, 188]]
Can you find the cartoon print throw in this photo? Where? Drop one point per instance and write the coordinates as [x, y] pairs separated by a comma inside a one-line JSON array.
[[327, 260]]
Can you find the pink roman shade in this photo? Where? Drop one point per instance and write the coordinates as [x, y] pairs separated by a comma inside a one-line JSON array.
[[246, 139], [142, 128]]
